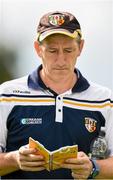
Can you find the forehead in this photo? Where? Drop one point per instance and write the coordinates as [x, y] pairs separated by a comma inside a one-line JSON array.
[[59, 39]]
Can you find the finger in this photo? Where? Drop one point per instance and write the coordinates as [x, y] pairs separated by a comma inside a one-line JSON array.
[[81, 159], [39, 168], [83, 167], [75, 161], [75, 171], [33, 164], [72, 166], [81, 154], [79, 176], [25, 150], [79, 172], [31, 157]]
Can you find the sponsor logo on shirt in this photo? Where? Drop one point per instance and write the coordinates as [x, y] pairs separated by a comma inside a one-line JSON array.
[[18, 91], [31, 121]]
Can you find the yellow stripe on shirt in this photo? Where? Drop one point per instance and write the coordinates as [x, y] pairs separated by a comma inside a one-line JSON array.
[[25, 100], [89, 105]]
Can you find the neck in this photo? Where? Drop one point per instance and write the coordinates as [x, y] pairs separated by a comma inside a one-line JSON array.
[[58, 84]]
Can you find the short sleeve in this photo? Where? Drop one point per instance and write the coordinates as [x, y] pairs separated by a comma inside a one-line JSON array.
[[109, 126]]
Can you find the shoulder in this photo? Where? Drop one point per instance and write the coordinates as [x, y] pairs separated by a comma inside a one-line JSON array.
[[98, 87], [13, 85], [100, 91]]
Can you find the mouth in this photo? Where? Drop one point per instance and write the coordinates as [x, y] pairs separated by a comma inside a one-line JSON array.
[[61, 68]]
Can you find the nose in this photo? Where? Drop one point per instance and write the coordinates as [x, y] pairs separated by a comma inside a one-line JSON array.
[[61, 57]]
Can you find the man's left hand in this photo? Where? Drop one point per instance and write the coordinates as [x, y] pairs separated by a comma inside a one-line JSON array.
[[81, 166]]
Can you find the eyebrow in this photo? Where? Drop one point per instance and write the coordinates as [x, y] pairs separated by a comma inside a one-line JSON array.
[[53, 47]]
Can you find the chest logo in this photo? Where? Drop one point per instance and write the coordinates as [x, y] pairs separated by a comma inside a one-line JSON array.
[[26, 121], [90, 124]]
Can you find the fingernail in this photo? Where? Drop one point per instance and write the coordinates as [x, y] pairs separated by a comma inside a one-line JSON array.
[[35, 150]]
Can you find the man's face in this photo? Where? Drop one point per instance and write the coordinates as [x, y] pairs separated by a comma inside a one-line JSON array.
[[59, 55]]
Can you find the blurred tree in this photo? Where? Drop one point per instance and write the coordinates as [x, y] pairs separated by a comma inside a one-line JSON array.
[[7, 59]]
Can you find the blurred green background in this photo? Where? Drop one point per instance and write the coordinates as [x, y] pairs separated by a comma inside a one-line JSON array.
[[7, 62]]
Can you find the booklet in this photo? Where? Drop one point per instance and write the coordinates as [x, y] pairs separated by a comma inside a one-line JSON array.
[[54, 158]]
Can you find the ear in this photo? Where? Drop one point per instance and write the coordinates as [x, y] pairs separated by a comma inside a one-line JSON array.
[[81, 45], [37, 48]]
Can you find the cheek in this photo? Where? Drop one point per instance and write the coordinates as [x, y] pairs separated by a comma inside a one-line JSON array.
[[48, 57], [73, 61], [46, 64]]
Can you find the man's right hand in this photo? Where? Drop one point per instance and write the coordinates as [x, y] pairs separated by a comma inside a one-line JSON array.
[[28, 161]]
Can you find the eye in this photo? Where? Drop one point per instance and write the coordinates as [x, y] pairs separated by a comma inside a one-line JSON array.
[[52, 50], [68, 50]]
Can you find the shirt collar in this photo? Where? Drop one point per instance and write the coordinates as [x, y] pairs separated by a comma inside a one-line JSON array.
[[82, 83], [35, 82]]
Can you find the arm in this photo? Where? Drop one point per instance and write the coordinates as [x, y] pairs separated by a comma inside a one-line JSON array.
[[82, 167], [106, 168], [23, 159], [8, 162]]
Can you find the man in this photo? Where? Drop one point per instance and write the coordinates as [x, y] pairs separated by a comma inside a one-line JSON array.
[[57, 106]]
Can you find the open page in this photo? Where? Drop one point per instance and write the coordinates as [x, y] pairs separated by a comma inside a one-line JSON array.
[[60, 155], [54, 158], [41, 150]]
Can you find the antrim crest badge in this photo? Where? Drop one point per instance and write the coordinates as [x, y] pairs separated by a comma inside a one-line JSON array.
[[90, 124], [56, 19]]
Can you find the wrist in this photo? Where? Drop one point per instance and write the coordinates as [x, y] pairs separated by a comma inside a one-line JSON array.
[[13, 157], [95, 169]]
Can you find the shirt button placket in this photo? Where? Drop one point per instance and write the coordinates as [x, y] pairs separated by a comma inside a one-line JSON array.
[[59, 109]]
